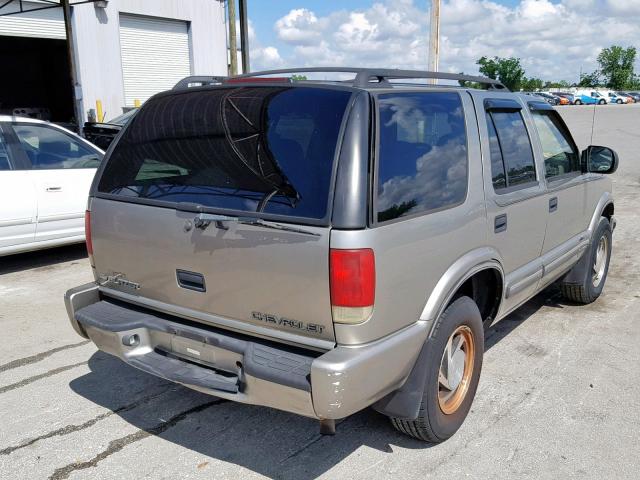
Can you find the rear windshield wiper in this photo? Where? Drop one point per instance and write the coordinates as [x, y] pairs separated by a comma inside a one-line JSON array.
[[203, 220]]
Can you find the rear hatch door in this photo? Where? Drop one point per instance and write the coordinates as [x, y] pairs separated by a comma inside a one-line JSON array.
[[215, 205]]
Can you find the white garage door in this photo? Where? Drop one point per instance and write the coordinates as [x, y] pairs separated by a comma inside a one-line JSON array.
[[155, 55], [41, 24]]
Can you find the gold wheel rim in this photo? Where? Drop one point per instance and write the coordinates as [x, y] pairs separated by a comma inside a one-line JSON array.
[[456, 370]]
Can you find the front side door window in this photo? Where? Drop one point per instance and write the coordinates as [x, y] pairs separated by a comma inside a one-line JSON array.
[[560, 153]]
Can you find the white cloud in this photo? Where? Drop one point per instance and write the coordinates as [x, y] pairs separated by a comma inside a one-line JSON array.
[[554, 40], [268, 56], [260, 56], [300, 27]]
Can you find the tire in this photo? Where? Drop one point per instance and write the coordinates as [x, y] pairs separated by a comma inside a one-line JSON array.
[[601, 102], [619, 102], [595, 276], [461, 319], [578, 102]]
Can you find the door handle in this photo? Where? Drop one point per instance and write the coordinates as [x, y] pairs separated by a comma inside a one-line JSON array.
[[500, 223], [553, 204], [191, 280], [54, 189]]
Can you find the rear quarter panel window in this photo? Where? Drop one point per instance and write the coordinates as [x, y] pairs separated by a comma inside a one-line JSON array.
[[422, 153]]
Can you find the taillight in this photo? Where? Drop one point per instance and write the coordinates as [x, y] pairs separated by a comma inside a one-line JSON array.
[[87, 231], [352, 276]]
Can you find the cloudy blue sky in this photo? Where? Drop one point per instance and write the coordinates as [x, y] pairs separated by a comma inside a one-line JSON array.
[[555, 39]]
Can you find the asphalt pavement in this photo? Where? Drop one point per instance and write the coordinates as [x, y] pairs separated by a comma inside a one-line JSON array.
[[559, 395]]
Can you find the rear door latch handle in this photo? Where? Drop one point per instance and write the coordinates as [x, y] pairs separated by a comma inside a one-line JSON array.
[[54, 189], [553, 204]]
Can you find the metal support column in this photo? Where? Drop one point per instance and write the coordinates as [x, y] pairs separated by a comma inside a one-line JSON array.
[[244, 36], [233, 48], [71, 52], [434, 38]]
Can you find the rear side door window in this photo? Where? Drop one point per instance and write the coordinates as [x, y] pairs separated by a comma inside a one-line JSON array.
[[512, 161], [422, 154], [50, 149], [560, 153]]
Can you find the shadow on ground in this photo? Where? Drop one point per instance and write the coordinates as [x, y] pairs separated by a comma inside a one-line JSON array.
[[272, 443], [42, 258]]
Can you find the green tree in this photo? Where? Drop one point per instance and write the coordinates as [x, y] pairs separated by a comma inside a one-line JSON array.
[[532, 84], [616, 66], [590, 80], [507, 70], [560, 84], [468, 84]]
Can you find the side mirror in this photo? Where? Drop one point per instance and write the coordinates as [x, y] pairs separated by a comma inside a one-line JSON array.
[[599, 159]]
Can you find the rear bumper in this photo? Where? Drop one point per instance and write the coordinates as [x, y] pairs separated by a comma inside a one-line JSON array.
[[332, 385]]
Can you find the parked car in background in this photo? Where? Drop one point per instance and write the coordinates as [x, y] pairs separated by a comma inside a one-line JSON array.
[[253, 241], [634, 95], [600, 97], [45, 175], [569, 97], [102, 134], [586, 98], [625, 97], [610, 96], [559, 99], [550, 99]]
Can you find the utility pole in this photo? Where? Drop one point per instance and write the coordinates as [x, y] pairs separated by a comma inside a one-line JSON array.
[[233, 48], [73, 72], [244, 36], [434, 38]]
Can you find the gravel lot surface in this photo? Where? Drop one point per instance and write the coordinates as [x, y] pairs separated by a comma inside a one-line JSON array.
[[559, 395]]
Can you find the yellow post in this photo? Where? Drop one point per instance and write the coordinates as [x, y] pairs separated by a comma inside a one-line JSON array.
[[136, 103], [99, 112]]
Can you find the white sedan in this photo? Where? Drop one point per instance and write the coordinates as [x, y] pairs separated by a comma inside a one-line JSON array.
[[45, 175]]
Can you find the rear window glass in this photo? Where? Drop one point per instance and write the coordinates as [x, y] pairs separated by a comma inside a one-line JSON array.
[[253, 149], [422, 160]]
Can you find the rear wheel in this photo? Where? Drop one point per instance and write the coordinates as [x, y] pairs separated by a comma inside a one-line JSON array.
[[593, 283], [578, 102], [454, 362], [619, 101]]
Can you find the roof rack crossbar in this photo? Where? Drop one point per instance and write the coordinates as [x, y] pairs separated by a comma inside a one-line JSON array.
[[366, 76]]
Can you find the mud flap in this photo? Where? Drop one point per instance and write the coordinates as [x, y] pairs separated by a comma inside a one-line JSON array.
[[405, 402]]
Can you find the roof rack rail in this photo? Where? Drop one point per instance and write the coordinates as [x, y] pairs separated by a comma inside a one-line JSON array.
[[198, 80], [368, 77]]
